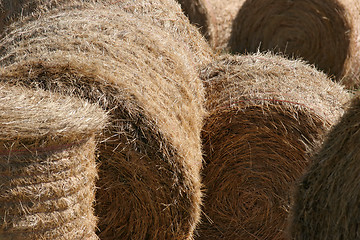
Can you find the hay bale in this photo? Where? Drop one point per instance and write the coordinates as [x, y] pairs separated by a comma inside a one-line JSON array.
[[168, 15], [225, 13], [200, 14], [149, 180], [324, 33], [14, 10], [214, 18], [326, 202], [47, 165], [266, 115]]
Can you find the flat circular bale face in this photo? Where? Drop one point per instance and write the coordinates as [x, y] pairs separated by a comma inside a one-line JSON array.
[[253, 155], [317, 31]]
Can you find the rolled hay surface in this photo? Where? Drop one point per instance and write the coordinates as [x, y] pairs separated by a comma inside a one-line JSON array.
[[326, 202], [47, 165], [266, 115], [323, 33], [166, 14], [149, 181], [14, 10]]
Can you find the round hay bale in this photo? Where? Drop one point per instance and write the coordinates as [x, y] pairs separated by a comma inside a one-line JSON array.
[[47, 165], [266, 115], [149, 165], [168, 15], [214, 18], [165, 13], [200, 14], [324, 33], [326, 202], [14, 10], [225, 13]]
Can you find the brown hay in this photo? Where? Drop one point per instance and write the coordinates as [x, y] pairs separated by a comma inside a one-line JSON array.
[[266, 115], [47, 165], [149, 181], [324, 33], [327, 197]]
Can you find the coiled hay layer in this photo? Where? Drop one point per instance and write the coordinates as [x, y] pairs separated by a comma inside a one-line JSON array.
[[266, 115], [326, 203], [149, 180], [324, 33], [47, 165], [166, 14]]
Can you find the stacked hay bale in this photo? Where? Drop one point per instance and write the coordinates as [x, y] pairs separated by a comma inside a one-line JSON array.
[[47, 165], [199, 14], [327, 198], [324, 33], [266, 115], [167, 14], [144, 75], [214, 17]]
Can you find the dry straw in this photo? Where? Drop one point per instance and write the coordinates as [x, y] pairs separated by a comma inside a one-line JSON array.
[[140, 69], [166, 14], [224, 12], [327, 198], [47, 165], [324, 33], [266, 115], [200, 14], [214, 18]]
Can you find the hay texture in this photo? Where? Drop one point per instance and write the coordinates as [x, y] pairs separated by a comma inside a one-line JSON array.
[[47, 165], [224, 12], [14, 10], [214, 18], [149, 180], [200, 14], [168, 15], [266, 115], [323, 33], [326, 203]]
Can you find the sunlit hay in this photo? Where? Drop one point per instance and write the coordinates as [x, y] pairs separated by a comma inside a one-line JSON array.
[[224, 12], [200, 14], [326, 203], [266, 115], [47, 165], [168, 15], [323, 33], [149, 180]]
